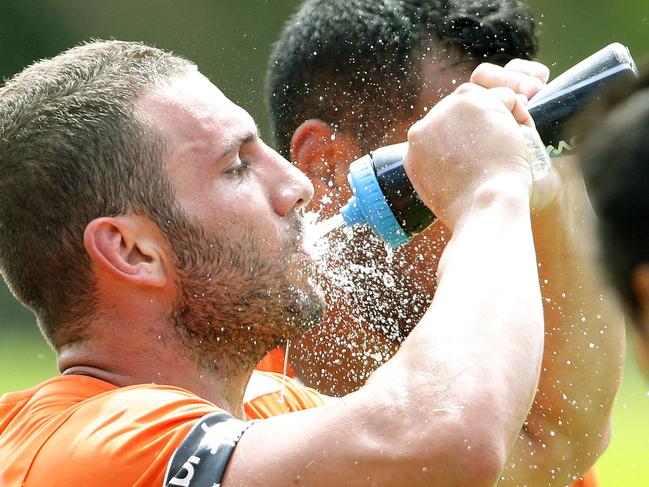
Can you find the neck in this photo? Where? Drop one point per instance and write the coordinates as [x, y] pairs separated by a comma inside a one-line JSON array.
[[125, 354]]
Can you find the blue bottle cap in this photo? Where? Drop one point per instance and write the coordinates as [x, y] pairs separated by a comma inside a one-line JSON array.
[[368, 205]]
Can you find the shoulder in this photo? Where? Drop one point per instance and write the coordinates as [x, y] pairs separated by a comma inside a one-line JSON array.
[[127, 433]]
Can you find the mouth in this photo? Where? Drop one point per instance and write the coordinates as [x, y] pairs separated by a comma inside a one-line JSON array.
[[297, 243]]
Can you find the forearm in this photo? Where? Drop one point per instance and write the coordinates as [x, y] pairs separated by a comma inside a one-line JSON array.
[[476, 353], [446, 408], [567, 428]]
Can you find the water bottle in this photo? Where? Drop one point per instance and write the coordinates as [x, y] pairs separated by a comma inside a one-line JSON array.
[[383, 195]]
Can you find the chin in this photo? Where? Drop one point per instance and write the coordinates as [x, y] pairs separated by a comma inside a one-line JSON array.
[[306, 310]]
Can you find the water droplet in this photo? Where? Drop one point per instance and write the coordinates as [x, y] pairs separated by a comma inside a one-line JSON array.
[[389, 253], [282, 391], [388, 280]]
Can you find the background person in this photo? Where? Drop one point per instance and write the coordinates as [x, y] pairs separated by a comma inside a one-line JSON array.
[[157, 240], [349, 76], [345, 78], [615, 164]]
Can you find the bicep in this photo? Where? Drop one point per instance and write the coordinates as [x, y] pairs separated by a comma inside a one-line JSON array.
[[315, 447], [346, 442]]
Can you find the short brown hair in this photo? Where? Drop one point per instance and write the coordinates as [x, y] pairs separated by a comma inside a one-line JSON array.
[[72, 148]]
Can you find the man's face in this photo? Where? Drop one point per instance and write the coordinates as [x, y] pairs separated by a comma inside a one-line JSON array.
[[242, 274]]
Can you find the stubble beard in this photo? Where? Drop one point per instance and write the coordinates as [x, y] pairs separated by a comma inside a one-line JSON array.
[[237, 299]]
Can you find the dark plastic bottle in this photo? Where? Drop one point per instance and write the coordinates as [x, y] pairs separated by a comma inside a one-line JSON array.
[[383, 195]]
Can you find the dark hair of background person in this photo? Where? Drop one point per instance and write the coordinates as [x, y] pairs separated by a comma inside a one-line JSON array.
[[615, 164], [73, 148], [363, 57]]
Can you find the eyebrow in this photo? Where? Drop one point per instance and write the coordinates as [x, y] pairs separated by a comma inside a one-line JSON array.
[[239, 140]]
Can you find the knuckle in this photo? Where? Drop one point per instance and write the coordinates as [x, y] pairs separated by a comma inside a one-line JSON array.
[[465, 102], [519, 64], [482, 70], [513, 80], [465, 87], [415, 130], [513, 64]]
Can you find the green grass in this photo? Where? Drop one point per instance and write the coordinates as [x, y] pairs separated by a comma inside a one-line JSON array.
[[626, 462], [25, 360]]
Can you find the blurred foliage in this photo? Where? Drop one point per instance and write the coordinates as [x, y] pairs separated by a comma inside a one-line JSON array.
[[571, 30], [230, 42]]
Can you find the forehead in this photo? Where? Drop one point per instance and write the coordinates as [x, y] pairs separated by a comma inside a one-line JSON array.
[[191, 113]]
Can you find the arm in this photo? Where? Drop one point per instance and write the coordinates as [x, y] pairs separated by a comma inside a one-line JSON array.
[[568, 425], [584, 344], [447, 408]]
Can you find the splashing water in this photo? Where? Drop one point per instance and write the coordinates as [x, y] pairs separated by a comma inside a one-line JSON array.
[[389, 253], [368, 294], [315, 231], [388, 280], [282, 391]]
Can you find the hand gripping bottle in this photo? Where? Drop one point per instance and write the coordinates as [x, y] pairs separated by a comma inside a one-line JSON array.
[[384, 198]]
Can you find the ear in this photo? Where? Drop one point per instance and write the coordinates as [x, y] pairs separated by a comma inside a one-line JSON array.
[[128, 248], [323, 155]]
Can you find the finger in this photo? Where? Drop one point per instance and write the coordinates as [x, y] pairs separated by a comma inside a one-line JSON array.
[[521, 114], [468, 88], [492, 76], [530, 68], [515, 103]]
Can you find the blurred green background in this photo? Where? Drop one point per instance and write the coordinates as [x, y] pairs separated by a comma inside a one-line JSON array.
[[230, 41]]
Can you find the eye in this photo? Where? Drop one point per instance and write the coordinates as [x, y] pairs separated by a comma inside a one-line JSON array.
[[239, 169]]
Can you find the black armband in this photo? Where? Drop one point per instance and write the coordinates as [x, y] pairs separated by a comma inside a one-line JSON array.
[[203, 455]]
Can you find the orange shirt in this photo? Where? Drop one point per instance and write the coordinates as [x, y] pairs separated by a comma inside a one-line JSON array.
[[588, 480], [77, 430], [273, 361]]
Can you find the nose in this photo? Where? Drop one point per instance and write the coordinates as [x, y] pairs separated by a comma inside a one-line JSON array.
[[293, 189]]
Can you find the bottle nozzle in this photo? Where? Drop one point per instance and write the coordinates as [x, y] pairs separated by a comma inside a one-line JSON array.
[[369, 205], [352, 213]]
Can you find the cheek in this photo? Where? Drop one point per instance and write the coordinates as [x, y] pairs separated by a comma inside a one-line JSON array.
[[230, 199], [242, 212]]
